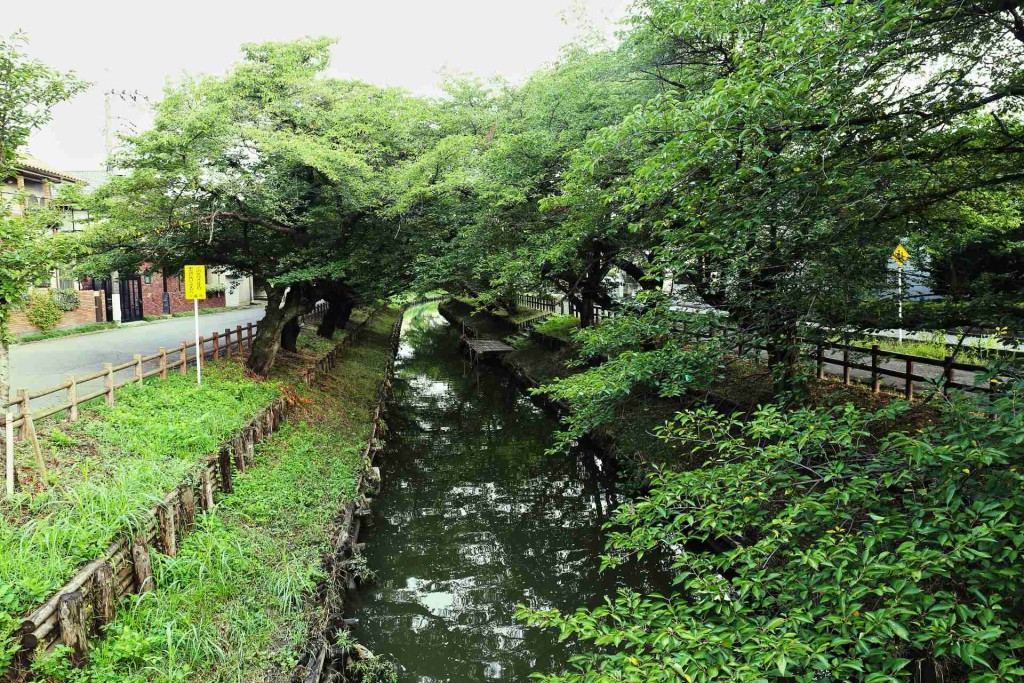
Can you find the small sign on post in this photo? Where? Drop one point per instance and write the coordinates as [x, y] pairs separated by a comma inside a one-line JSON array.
[[195, 289], [900, 255]]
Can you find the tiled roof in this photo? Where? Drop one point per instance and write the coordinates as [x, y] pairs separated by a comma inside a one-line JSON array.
[[33, 166]]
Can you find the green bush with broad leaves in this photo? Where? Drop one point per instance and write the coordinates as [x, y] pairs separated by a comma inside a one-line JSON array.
[[641, 352], [823, 544], [66, 299], [43, 311]]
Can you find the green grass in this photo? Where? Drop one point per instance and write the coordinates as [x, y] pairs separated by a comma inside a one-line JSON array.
[[106, 470], [52, 334], [559, 326], [973, 351], [233, 605]]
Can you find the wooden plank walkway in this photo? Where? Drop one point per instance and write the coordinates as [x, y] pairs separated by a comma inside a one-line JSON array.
[[478, 348]]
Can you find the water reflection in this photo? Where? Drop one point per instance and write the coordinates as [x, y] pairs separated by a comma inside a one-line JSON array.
[[474, 518]]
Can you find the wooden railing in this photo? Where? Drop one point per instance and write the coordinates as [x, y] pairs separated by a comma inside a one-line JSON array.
[[841, 359], [833, 358], [18, 418]]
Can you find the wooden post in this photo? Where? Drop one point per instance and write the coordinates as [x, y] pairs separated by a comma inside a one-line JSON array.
[[104, 595], [821, 360], [138, 367], [250, 334], [188, 507], [29, 428], [216, 346], [239, 448], [227, 342], [238, 339], [947, 374], [108, 381], [184, 358], [206, 490], [141, 567], [72, 398], [876, 376], [22, 401], [224, 460], [166, 531], [908, 389], [71, 616], [846, 366], [163, 363], [9, 453]]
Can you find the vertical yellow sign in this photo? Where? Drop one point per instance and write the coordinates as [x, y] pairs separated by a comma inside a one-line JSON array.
[[195, 283]]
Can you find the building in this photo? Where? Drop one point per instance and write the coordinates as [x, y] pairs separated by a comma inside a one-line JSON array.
[[148, 293]]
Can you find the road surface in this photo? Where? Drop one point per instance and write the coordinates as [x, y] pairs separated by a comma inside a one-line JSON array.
[[46, 363]]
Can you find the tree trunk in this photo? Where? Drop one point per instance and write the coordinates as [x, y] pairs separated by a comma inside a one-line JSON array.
[[267, 341], [340, 303], [290, 335], [585, 305], [784, 356]]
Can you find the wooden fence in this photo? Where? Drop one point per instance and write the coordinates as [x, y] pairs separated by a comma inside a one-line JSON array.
[[562, 307], [324, 660], [176, 359], [881, 364], [18, 418], [79, 610], [834, 358]]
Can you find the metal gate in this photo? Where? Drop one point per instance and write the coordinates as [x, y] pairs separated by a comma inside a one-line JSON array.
[[130, 290]]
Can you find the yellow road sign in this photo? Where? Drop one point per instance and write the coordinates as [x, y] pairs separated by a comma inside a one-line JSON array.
[[901, 255], [195, 283]]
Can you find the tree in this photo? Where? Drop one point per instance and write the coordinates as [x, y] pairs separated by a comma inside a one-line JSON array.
[[794, 144], [487, 184], [28, 92], [272, 171]]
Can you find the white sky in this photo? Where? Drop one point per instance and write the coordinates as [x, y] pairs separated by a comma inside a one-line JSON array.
[[138, 45]]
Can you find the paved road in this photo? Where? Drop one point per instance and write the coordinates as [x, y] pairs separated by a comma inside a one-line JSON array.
[[46, 363]]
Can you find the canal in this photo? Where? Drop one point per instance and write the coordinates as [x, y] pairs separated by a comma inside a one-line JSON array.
[[474, 518]]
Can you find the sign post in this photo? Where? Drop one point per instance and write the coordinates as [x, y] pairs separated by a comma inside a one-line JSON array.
[[900, 256], [195, 289]]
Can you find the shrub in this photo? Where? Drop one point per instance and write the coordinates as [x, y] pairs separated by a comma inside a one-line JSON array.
[[823, 544], [66, 299], [215, 290], [376, 670], [42, 310]]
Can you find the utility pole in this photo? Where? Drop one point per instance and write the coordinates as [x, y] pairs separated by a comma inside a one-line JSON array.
[[108, 129]]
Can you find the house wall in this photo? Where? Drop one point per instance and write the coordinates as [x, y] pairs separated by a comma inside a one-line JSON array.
[[91, 309], [153, 295], [238, 292]]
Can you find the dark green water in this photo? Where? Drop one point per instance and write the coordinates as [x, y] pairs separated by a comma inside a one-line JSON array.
[[473, 519]]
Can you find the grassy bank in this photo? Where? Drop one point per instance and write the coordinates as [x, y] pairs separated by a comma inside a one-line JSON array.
[[105, 471], [232, 606]]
